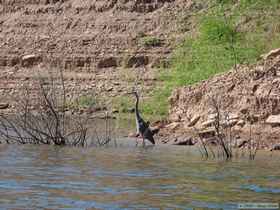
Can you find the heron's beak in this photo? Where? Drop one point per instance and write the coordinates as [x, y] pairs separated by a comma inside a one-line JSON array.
[[130, 93]]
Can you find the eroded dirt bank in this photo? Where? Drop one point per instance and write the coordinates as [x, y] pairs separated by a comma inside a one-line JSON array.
[[99, 45], [248, 100], [83, 34]]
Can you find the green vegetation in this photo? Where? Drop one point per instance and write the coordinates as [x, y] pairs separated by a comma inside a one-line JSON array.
[[123, 104], [85, 101], [150, 41], [228, 33], [153, 109], [156, 107]]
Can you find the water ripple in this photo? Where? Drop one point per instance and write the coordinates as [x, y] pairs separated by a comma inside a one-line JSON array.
[[125, 178], [260, 189]]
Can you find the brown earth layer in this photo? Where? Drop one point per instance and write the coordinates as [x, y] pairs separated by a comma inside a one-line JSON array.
[[100, 45], [84, 34]]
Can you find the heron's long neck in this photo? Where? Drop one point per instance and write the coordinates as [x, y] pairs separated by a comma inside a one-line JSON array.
[[136, 107]]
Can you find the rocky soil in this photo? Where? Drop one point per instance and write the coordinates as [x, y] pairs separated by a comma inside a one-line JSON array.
[[91, 41], [248, 102], [84, 34]]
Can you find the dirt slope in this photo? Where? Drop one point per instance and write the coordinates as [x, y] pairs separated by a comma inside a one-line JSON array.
[[85, 34], [248, 96], [92, 41]]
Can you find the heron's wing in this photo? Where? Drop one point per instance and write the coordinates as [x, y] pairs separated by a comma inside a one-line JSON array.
[[142, 125], [155, 131], [148, 134], [143, 128]]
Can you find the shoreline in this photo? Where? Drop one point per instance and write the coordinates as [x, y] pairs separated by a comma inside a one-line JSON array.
[[176, 134]]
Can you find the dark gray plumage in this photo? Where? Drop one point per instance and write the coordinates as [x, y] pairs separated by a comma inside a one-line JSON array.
[[143, 128], [275, 147]]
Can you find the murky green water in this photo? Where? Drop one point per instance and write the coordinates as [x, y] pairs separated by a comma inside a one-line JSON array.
[[37, 177]]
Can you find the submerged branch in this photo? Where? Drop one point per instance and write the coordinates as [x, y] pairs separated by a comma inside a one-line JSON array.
[[49, 125]]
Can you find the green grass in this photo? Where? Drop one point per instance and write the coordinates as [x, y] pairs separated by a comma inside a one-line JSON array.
[[150, 41], [227, 34], [83, 102], [86, 101], [149, 108], [123, 104], [157, 106]]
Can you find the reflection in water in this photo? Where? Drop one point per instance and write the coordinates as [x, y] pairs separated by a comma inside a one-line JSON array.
[[33, 177]]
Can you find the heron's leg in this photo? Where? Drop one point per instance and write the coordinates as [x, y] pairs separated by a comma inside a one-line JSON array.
[[136, 140], [143, 142]]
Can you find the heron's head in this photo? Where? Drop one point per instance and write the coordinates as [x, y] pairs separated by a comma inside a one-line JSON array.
[[134, 92]]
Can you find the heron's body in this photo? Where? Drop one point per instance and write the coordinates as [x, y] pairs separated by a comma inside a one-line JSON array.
[[142, 126]]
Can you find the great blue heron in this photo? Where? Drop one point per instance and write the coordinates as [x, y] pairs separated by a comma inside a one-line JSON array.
[[143, 128]]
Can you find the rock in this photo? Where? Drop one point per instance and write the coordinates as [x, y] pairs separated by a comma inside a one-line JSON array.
[[34, 112], [109, 89], [137, 61], [271, 54], [175, 117], [273, 120], [173, 126], [275, 147], [208, 123], [30, 60], [229, 123], [244, 110], [3, 62], [188, 142], [165, 141], [81, 111], [155, 129], [229, 116], [107, 63], [68, 113], [4, 105], [241, 123], [193, 121], [81, 62], [233, 116], [231, 88], [253, 118], [158, 124], [212, 116]]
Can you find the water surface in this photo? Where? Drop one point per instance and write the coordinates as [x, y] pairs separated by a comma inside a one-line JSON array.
[[36, 177]]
